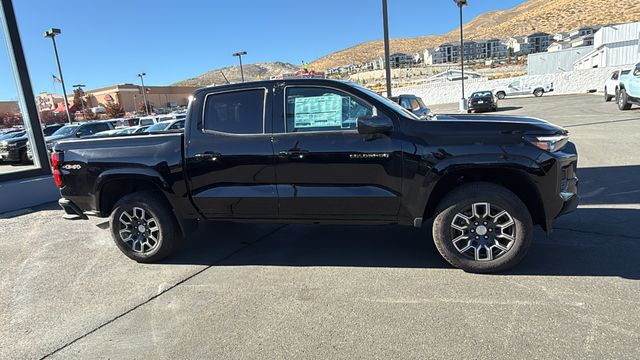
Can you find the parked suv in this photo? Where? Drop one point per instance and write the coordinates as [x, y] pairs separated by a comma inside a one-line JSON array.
[[77, 130], [412, 103], [629, 92], [13, 148], [328, 152]]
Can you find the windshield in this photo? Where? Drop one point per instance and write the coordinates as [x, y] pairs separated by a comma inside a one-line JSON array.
[[12, 135], [481, 94], [65, 130], [397, 108], [158, 127]]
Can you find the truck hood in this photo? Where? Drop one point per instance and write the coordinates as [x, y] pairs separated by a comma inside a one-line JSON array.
[[507, 123]]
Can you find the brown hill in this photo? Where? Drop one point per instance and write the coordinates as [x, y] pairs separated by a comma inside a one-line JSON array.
[[550, 16], [258, 71]]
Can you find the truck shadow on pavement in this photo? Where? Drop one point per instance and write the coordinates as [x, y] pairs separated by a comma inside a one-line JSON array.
[[592, 241]]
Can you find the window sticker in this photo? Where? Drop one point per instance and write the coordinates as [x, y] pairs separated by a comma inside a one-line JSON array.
[[318, 111]]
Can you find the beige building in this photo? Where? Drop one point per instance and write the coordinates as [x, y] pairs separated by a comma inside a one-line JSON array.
[[9, 106], [130, 96]]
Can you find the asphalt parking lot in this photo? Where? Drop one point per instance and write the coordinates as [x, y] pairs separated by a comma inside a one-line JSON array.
[[305, 291]]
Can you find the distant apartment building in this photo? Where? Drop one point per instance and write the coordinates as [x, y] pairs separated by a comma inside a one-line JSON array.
[[613, 45], [538, 42], [398, 60]]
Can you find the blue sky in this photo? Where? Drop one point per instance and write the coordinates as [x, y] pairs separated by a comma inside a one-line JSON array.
[[109, 42]]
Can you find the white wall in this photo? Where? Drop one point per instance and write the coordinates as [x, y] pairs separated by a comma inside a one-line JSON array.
[[570, 82]]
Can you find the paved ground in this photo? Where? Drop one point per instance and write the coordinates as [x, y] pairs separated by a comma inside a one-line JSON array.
[[271, 291], [8, 168]]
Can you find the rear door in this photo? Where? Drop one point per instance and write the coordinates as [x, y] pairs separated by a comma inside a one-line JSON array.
[[325, 168], [229, 158]]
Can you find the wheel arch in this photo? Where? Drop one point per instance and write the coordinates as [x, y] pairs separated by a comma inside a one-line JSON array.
[[112, 185], [516, 181]]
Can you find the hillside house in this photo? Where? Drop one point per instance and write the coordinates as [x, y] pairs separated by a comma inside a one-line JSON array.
[[614, 45]]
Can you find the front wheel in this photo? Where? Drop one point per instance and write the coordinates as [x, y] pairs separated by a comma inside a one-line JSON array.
[[501, 95], [538, 92], [482, 228], [143, 227], [623, 100], [607, 97]]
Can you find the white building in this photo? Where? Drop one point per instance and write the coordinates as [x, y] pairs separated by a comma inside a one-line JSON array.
[[614, 45]]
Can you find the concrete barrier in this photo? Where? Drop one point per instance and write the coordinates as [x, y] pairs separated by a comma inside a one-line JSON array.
[[570, 82]]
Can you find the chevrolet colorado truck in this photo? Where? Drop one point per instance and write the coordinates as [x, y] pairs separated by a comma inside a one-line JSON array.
[[328, 152], [629, 91]]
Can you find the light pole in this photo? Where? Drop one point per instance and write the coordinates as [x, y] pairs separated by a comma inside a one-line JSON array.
[[144, 93], [52, 33], [463, 100], [239, 54], [79, 87], [387, 66]]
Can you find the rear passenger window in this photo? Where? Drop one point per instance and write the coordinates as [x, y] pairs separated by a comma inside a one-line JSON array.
[[237, 112]]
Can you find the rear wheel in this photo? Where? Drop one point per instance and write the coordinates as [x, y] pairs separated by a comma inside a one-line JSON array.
[[143, 227], [538, 92], [623, 100], [482, 228], [501, 95]]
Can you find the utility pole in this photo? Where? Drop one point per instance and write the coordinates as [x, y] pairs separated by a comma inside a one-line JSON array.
[[52, 33], [463, 100], [239, 54], [144, 93], [387, 65]]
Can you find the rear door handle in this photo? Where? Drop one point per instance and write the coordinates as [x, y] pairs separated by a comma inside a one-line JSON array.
[[210, 156]]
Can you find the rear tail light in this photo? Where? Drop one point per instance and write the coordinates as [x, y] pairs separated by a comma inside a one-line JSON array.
[[55, 167]]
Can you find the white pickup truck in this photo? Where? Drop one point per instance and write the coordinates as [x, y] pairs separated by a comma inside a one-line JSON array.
[[520, 87], [612, 85]]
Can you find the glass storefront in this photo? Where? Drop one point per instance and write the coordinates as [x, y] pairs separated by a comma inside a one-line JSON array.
[[22, 153]]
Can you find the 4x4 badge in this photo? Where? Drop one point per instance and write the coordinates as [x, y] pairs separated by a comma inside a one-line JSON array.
[[71, 167]]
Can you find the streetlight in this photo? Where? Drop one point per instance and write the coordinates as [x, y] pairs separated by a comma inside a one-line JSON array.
[[52, 33], [463, 101], [144, 93], [385, 24], [239, 54]]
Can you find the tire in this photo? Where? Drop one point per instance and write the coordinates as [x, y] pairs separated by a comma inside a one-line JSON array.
[[607, 97], [489, 258], [538, 92], [468, 111], [501, 95], [160, 228], [623, 100], [495, 108], [24, 159]]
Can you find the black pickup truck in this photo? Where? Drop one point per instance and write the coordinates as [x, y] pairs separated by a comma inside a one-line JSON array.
[[329, 152]]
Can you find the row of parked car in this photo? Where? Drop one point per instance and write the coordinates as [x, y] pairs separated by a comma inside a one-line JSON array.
[[15, 148]]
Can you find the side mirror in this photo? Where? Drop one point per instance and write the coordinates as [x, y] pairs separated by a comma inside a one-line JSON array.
[[78, 134], [375, 125]]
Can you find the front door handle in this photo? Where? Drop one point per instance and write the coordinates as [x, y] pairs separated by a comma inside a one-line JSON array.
[[294, 154], [210, 156]]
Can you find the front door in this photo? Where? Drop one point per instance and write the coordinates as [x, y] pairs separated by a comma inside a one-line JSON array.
[[325, 168], [229, 156]]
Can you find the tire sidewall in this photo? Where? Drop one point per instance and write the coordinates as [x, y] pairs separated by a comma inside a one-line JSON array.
[[165, 224], [499, 197]]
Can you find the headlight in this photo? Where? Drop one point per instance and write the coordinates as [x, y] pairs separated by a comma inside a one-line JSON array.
[[548, 143]]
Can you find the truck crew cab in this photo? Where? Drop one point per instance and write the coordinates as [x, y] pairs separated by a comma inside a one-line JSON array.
[[329, 152]]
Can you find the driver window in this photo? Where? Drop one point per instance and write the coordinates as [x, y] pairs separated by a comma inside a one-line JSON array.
[[323, 109]]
